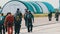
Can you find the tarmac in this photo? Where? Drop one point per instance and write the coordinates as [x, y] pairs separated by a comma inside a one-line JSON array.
[[42, 26]]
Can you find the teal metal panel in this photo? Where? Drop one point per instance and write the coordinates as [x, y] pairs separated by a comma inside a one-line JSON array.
[[40, 7], [29, 7], [49, 6], [37, 7]]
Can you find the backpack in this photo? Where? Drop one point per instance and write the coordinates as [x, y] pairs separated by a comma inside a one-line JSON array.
[[17, 18]]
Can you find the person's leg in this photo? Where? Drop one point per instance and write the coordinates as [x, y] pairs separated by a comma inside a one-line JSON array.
[[15, 29], [56, 19], [0, 31], [3, 29], [6, 28], [31, 27], [28, 28], [49, 19], [10, 30], [19, 29]]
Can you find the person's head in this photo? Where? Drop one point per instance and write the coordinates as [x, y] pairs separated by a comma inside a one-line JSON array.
[[9, 13], [1, 14], [26, 10], [17, 8]]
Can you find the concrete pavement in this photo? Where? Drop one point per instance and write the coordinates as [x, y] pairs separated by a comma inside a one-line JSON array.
[[43, 26]]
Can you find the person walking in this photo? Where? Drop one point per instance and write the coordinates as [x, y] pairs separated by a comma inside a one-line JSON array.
[[17, 21], [2, 18], [29, 19], [50, 16], [57, 16], [9, 20]]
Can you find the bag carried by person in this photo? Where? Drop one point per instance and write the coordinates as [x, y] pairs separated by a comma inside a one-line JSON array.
[[17, 18]]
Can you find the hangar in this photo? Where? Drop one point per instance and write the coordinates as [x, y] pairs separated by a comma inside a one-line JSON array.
[[35, 7]]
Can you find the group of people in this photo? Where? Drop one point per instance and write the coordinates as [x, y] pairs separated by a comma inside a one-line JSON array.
[[56, 16], [9, 21]]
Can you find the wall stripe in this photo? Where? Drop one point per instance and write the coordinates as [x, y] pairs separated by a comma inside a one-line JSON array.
[[45, 9], [49, 6]]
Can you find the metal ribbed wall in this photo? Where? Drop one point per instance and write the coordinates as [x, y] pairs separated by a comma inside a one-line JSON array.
[[36, 7]]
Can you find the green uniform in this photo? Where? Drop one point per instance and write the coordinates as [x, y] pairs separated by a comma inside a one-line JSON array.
[[17, 22], [2, 18], [28, 21]]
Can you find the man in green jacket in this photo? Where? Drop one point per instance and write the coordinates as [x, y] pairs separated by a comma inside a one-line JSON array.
[[29, 19], [2, 18]]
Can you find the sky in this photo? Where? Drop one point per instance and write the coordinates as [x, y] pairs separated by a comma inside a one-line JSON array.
[[54, 3]]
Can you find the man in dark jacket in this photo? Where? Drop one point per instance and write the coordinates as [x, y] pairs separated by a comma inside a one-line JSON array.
[[3, 23], [17, 22], [50, 16], [57, 16], [2, 18], [25, 18], [29, 19]]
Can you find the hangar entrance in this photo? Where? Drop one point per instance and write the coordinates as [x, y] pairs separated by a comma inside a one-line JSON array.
[[12, 7]]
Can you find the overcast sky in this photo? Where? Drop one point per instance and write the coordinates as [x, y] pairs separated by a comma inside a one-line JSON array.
[[54, 3]]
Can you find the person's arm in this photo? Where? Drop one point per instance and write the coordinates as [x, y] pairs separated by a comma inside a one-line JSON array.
[[55, 15], [13, 19], [32, 17], [21, 16], [24, 16], [5, 22]]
